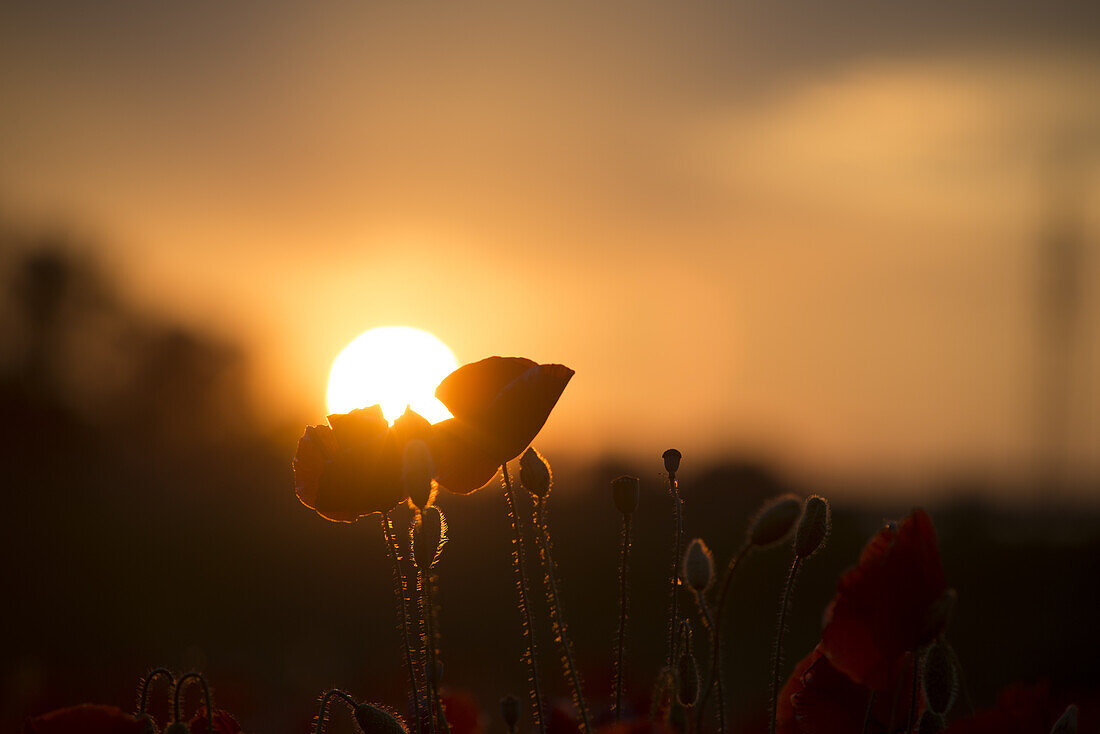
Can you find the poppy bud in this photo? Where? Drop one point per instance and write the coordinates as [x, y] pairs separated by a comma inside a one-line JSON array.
[[429, 535], [939, 679], [775, 521], [813, 528], [1067, 722], [697, 568], [375, 720], [534, 473], [416, 472], [177, 727], [624, 491], [931, 723], [509, 711], [687, 672], [672, 461]]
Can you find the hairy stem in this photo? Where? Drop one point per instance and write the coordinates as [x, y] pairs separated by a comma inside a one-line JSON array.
[[716, 650], [393, 550], [207, 700], [519, 563], [674, 576], [708, 622], [430, 641], [777, 653], [561, 629], [624, 603], [147, 681], [322, 714]]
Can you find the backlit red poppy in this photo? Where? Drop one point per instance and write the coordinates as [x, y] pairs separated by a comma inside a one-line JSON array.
[[223, 722], [883, 605], [86, 719], [499, 405], [352, 467]]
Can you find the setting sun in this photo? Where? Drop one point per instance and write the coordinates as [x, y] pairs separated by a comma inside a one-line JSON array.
[[394, 366]]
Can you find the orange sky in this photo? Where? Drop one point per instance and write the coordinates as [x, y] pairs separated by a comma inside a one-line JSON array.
[[811, 233]]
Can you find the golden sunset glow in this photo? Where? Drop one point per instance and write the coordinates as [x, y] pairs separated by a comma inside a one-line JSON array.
[[393, 366]]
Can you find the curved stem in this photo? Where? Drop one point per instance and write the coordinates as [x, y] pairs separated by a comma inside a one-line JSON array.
[[715, 653], [561, 630], [323, 712], [147, 681], [624, 601], [177, 699], [708, 622], [519, 563], [778, 652], [393, 551]]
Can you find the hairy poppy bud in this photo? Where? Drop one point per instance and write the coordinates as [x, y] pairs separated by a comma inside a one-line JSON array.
[[509, 711], [931, 723], [1067, 722], [939, 679], [672, 461], [775, 520], [687, 672], [375, 720], [534, 473], [416, 472], [697, 568], [429, 535], [624, 491], [813, 528]]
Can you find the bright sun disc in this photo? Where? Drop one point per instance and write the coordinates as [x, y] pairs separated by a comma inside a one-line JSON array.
[[395, 367]]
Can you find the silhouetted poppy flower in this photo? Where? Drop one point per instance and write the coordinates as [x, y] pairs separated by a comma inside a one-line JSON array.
[[499, 405], [882, 605], [224, 723], [819, 699], [86, 719], [352, 467]]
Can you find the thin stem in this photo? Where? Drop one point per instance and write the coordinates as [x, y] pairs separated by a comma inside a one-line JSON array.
[[561, 630], [894, 700], [393, 550], [177, 699], [867, 713], [519, 563], [624, 600], [322, 714], [912, 695], [428, 585], [716, 652], [778, 652], [708, 622], [674, 576], [427, 646], [147, 681]]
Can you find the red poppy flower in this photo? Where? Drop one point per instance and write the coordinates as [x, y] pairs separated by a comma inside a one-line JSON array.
[[462, 712], [86, 719], [499, 405], [224, 723], [883, 605], [352, 467], [819, 699]]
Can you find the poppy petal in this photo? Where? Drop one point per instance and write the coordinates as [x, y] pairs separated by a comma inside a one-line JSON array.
[[85, 719], [316, 446], [223, 722], [360, 426], [462, 463], [519, 412], [468, 391]]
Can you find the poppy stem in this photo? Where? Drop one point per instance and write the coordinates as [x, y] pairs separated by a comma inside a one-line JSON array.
[[557, 617], [716, 648], [867, 714], [674, 576], [708, 622], [519, 562], [322, 714], [147, 681], [393, 550], [624, 603], [913, 694], [429, 652], [177, 699], [777, 652]]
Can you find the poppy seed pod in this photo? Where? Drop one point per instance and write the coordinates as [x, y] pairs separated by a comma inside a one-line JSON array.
[[775, 520], [939, 679], [697, 568], [672, 461], [429, 535], [1067, 722], [624, 491], [813, 528], [931, 723], [375, 720], [534, 473], [509, 711], [416, 472]]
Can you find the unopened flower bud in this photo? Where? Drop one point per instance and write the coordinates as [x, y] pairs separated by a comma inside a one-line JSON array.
[[813, 528], [1067, 722], [510, 711], [687, 672], [416, 472], [931, 723], [624, 491], [775, 521], [697, 568], [672, 461], [429, 535], [375, 720], [534, 473], [939, 678]]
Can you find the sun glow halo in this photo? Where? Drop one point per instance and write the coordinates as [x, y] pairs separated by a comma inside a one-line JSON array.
[[394, 366]]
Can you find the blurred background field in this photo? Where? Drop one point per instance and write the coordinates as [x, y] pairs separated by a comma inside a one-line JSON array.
[[850, 249]]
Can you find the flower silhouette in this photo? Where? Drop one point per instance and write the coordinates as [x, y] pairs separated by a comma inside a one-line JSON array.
[[86, 719], [499, 405], [352, 467], [883, 606]]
